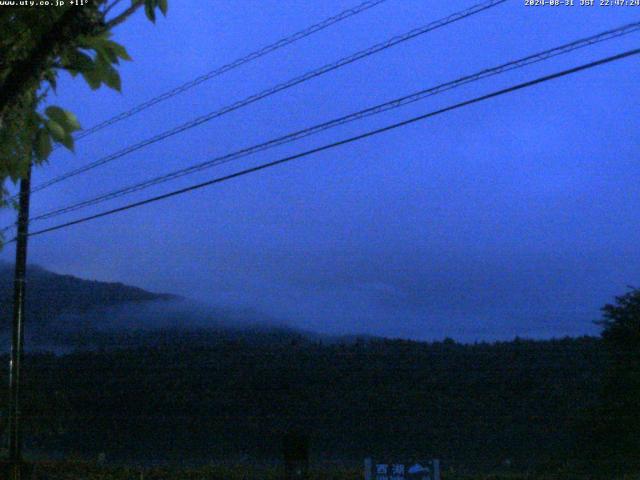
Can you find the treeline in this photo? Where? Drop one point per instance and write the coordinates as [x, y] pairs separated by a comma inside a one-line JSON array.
[[519, 405]]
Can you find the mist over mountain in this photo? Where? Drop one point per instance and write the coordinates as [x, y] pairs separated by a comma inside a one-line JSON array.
[[50, 295], [149, 378], [64, 312]]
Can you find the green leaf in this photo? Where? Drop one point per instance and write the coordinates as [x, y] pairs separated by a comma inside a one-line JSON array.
[[77, 61], [67, 141], [112, 79], [43, 144], [56, 130], [91, 41], [55, 112], [65, 118], [102, 64], [164, 5], [92, 77], [149, 10], [104, 49], [119, 50]]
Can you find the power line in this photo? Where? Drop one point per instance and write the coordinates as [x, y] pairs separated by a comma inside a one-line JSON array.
[[232, 65], [368, 134], [278, 88], [393, 104]]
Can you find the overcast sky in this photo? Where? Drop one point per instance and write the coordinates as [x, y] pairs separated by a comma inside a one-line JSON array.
[[515, 216]]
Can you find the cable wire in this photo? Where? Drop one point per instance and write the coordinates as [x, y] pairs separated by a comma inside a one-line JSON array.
[[349, 140], [390, 105], [278, 88], [232, 65]]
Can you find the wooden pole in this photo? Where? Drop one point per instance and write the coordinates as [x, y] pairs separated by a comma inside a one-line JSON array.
[[17, 341]]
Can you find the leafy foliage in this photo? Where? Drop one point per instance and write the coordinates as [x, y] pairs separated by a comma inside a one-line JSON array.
[[37, 44], [150, 8], [621, 323], [97, 69], [613, 433]]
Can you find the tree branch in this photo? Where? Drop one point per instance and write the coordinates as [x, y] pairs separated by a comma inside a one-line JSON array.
[[109, 7], [123, 16]]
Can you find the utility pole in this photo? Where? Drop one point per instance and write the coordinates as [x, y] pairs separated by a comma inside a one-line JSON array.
[[17, 342]]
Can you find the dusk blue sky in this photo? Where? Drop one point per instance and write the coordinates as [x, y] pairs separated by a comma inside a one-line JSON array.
[[515, 216]]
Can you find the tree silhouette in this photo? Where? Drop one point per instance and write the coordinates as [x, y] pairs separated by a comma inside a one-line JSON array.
[[617, 420]]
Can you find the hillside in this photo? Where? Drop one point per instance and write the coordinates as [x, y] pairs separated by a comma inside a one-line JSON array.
[[474, 406], [66, 313], [50, 295], [189, 388]]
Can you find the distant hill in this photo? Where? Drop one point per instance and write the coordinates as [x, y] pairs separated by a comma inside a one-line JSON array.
[[66, 312], [50, 295], [164, 379]]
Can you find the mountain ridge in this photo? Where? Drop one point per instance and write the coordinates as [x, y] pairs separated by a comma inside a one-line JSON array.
[[65, 312], [50, 295]]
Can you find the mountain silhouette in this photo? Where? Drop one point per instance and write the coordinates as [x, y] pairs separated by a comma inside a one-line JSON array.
[[50, 295]]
